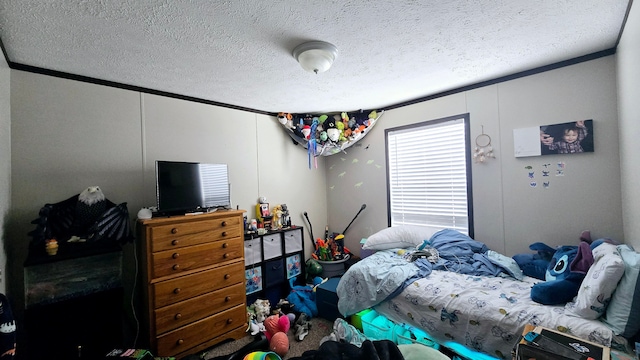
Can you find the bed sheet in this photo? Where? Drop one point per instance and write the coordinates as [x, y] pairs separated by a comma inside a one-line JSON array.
[[484, 313]]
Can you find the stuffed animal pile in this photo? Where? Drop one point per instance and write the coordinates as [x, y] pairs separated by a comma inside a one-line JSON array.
[[328, 134], [273, 323]]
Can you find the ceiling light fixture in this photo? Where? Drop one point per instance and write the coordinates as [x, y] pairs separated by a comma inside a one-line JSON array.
[[315, 56]]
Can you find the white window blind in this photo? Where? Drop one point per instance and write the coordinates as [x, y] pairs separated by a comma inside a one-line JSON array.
[[427, 174]]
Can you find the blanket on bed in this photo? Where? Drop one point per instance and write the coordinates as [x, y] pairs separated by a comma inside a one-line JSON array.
[[386, 273]]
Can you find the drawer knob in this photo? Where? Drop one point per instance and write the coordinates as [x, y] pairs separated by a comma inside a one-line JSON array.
[[224, 233], [178, 316], [227, 299], [226, 255], [229, 321], [174, 231], [224, 223], [176, 291], [175, 255], [174, 242], [227, 276], [180, 342], [225, 245], [176, 267]]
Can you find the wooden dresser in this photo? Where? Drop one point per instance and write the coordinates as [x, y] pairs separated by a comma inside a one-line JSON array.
[[193, 273]]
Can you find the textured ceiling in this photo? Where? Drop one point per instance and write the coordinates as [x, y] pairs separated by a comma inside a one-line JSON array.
[[239, 52]]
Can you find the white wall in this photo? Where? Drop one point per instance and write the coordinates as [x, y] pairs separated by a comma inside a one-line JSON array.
[[508, 213], [5, 164], [627, 56], [67, 135]]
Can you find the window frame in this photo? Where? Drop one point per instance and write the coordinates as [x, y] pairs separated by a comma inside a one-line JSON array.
[[468, 161]]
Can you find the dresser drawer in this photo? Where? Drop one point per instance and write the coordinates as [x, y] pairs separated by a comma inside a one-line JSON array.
[[186, 337], [175, 261], [185, 287], [176, 315], [172, 236]]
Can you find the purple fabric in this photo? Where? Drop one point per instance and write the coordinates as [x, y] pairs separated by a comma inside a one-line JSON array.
[[583, 259]]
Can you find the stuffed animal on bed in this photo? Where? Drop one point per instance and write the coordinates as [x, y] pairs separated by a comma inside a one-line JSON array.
[[562, 270]]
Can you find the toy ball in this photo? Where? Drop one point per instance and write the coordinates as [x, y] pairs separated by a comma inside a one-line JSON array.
[[279, 344], [313, 267], [292, 318], [271, 324], [284, 324]]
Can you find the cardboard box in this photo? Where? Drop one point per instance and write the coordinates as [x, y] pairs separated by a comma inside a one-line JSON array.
[[553, 342]]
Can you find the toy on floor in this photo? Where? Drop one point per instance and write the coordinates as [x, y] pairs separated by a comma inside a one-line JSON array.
[[277, 327], [260, 344], [303, 299], [262, 309], [301, 327], [279, 344], [276, 323], [255, 327], [256, 314], [262, 355]]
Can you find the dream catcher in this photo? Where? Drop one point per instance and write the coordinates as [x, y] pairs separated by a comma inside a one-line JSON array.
[[483, 149]]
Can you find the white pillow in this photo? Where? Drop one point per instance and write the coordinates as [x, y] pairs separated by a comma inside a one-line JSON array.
[[403, 236], [599, 283], [623, 313]]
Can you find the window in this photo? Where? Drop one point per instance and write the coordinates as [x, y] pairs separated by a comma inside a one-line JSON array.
[[429, 174]]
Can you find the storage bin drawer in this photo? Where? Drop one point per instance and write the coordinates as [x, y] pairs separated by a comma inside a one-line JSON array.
[[252, 251], [272, 245], [327, 299], [176, 315], [274, 272], [184, 259], [172, 236], [185, 287], [293, 241], [186, 337]]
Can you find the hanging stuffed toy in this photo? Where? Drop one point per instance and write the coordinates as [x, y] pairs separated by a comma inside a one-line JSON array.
[[563, 272]]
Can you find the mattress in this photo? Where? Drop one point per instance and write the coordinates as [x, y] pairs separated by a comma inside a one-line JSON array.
[[484, 313]]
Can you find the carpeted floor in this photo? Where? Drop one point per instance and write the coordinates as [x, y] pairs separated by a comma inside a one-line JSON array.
[[319, 329]]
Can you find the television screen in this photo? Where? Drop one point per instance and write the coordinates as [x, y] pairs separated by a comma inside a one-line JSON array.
[[187, 186]]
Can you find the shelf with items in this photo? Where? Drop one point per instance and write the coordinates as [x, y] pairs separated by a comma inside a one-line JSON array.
[[328, 134], [272, 260]]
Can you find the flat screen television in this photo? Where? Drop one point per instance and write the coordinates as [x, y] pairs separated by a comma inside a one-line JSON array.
[[183, 187]]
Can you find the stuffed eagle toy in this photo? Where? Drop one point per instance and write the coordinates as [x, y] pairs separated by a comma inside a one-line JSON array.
[[88, 216]]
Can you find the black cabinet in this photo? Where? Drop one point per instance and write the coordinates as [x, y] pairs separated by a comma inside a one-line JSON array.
[[73, 305], [86, 327], [272, 262]]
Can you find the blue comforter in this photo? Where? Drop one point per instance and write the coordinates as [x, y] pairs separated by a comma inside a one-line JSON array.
[[386, 273]]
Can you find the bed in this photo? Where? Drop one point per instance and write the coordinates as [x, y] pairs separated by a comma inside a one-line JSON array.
[[468, 294]]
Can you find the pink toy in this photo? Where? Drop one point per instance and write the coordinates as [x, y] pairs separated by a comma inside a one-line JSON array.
[[284, 324], [279, 343]]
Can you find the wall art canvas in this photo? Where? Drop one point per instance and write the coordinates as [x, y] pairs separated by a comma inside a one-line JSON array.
[[574, 137]]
